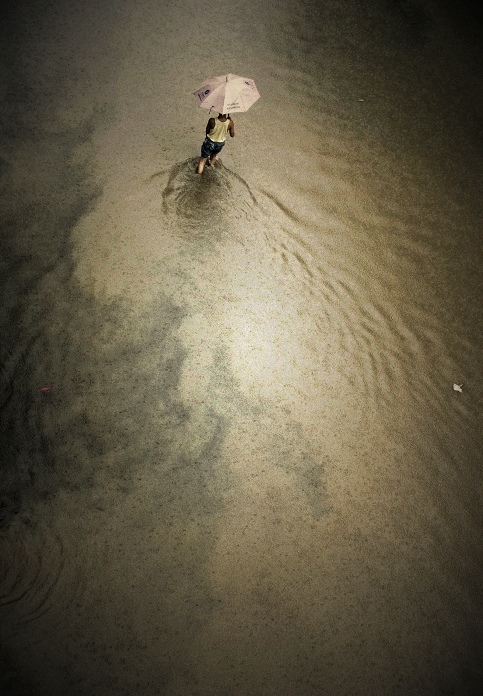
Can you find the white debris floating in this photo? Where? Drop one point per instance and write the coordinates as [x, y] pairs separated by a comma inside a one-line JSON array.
[[458, 387]]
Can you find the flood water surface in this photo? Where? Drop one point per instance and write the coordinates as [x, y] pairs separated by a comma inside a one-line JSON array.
[[233, 458]]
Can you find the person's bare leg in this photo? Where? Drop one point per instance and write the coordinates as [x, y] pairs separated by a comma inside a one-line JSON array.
[[201, 165], [213, 160]]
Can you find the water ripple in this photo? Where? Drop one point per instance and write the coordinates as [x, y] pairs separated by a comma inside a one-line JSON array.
[[36, 578], [209, 200], [364, 287]]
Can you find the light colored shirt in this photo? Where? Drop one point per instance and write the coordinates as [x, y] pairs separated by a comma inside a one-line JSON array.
[[218, 133]]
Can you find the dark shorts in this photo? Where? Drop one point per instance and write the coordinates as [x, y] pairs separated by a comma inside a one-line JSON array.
[[210, 149]]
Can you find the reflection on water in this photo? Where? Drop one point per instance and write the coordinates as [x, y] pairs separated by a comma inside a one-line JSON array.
[[250, 473]]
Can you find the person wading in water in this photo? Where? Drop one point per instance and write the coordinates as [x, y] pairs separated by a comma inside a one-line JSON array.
[[216, 132]]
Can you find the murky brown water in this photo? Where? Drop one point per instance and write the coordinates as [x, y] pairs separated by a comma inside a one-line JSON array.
[[250, 473]]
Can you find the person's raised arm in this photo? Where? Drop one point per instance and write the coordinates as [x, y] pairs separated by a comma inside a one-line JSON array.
[[210, 125]]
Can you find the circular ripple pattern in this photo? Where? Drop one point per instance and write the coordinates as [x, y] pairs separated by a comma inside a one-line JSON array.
[[36, 578], [214, 197]]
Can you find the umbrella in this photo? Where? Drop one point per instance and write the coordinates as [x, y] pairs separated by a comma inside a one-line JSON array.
[[227, 94]]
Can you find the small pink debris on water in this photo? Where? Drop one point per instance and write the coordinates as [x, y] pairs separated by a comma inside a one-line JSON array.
[[47, 389]]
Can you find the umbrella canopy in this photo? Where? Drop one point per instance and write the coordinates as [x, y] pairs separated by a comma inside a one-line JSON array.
[[227, 94]]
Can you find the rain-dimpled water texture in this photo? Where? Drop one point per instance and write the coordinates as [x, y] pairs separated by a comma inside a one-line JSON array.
[[233, 459]]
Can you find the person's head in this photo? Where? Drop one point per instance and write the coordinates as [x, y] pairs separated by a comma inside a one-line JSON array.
[[223, 115]]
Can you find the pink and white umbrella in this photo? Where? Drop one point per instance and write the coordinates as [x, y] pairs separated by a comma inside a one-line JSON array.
[[227, 94]]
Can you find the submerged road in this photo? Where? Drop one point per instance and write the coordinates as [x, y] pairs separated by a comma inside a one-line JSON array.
[[233, 459]]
